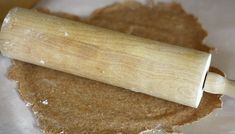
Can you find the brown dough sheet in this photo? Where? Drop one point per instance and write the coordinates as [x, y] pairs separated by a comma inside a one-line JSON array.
[[79, 105]]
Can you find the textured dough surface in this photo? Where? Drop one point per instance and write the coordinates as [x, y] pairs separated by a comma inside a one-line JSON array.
[[68, 104]]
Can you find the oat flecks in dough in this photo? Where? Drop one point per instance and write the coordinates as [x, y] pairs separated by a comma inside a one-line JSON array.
[[78, 105]]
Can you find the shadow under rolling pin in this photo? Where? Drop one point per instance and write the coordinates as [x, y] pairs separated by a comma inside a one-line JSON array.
[[158, 69]]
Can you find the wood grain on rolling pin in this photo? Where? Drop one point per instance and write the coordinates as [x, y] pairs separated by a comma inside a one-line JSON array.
[[165, 71]]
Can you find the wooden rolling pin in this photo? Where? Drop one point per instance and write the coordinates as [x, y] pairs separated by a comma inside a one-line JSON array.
[[158, 69]]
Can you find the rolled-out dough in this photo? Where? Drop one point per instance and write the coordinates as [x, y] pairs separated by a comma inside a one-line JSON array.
[[69, 104]]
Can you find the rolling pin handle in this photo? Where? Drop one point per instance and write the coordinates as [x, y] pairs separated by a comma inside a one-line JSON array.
[[217, 84]]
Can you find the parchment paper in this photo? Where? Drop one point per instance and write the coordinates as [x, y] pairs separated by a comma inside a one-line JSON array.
[[217, 18]]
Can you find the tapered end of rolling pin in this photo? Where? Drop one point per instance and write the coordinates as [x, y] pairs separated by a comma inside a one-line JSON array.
[[217, 84], [6, 22]]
